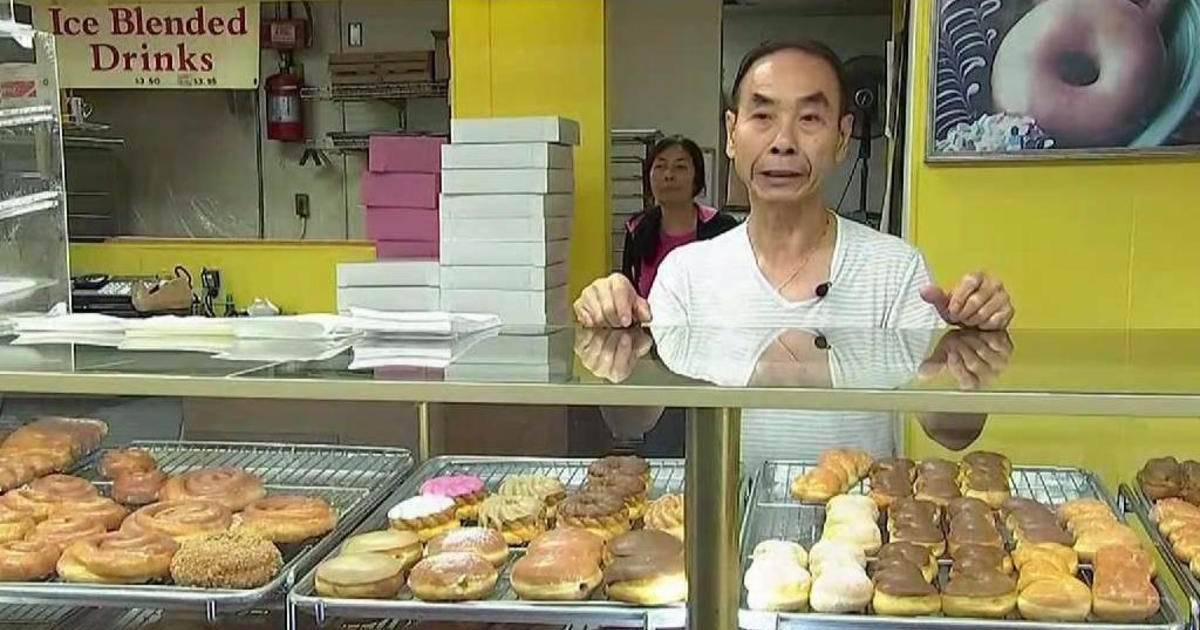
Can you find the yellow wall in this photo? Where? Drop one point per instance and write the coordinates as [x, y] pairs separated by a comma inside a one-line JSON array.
[[537, 58], [1107, 244], [297, 277], [1081, 244]]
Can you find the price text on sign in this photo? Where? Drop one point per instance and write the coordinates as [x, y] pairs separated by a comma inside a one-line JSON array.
[[155, 45]]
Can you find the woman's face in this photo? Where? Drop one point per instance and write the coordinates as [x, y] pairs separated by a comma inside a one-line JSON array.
[[672, 176]]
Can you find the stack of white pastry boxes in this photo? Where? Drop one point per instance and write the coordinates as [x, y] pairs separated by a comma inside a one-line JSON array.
[[506, 207]]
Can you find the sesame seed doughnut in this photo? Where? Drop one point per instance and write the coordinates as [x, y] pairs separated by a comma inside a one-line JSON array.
[[233, 559]]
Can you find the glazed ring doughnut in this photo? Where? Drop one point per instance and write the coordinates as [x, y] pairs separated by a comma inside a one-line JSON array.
[[1089, 72], [123, 557], [288, 518], [232, 487], [180, 520], [126, 460], [27, 560]]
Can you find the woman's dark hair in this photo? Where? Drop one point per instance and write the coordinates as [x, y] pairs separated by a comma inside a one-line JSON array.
[[690, 147], [814, 48]]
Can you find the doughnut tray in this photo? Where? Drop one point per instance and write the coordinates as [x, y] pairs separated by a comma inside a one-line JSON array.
[[1140, 504], [773, 513], [503, 606], [353, 479]]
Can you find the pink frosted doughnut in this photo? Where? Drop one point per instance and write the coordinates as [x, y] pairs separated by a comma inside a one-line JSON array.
[[453, 486]]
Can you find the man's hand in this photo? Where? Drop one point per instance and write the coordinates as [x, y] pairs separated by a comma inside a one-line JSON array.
[[978, 301], [973, 357], [611, 302], [612, 354]]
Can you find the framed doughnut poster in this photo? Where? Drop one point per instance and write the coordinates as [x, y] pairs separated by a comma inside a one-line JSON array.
[[1039, 79]]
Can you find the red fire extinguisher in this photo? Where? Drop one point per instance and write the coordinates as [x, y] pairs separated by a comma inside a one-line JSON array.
[[285, 118]]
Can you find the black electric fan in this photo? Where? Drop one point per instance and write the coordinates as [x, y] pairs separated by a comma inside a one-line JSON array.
[[865, 78]]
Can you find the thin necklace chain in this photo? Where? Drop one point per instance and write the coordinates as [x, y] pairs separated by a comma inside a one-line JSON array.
[[803, 261]]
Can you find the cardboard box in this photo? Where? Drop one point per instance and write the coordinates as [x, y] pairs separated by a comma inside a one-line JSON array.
[[507, 181], [502, 254], [421, 250], [530, 129], [497, 206], [514, 307], [398, 273], [402, 224], [390, 298], [507, 229], [508, 155], [504, 278], [405, 154], [401, 190]]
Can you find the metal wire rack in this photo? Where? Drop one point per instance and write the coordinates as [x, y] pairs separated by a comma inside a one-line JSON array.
[[353, 479], [666, 476], [773, 513], [38, 617], [1140, 504]]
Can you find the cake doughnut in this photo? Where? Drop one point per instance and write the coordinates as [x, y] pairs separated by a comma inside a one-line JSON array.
[[404, 546], [627, 465], [232, 487], [666, 514], [180, 520], [118, 558], [549, 489], [479, 540], [556, 576], [227, 559], [27, 560], [600, 513], [1063, 599], [64, 530], [110, 513], [631, 490], [14, 524], [466, 490], [518, 519], [360, 576], [453, 576], [776, 582], [1088, 71], [286, 518], [64, 487], [138, 488], [647, 568], [572, 541], [126, 460], [426, 516]]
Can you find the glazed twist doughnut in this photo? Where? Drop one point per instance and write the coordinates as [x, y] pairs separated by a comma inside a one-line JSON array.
[[103, 509], [232, 487], [65, 487], [180, 520], [64, 530], [288, 518], [127, 460], [27, 560], [123, 557]]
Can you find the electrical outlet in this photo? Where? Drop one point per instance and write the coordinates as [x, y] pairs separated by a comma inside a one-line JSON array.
[[302, 209], [354, 35]]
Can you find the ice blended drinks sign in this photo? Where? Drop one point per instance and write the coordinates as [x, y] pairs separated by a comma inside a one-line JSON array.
[[154, 45]]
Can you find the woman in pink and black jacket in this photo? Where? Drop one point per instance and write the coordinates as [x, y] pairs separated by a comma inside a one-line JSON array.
[[675, 170]]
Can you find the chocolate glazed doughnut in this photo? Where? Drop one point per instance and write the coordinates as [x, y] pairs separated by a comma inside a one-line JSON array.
[[1088, 71]]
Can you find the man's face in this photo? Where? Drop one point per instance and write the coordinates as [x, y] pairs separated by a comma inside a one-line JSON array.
[[787, 134]]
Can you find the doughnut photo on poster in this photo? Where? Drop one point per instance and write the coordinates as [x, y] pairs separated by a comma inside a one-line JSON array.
[[1045, 78]]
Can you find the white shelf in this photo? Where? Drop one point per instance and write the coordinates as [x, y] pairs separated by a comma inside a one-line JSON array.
[[26, 116], [28, 204]]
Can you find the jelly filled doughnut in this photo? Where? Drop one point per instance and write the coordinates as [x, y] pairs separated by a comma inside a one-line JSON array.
[[1088, 71]]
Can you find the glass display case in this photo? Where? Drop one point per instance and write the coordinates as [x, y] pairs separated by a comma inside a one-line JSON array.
[[1061, 419], [33, 232]]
